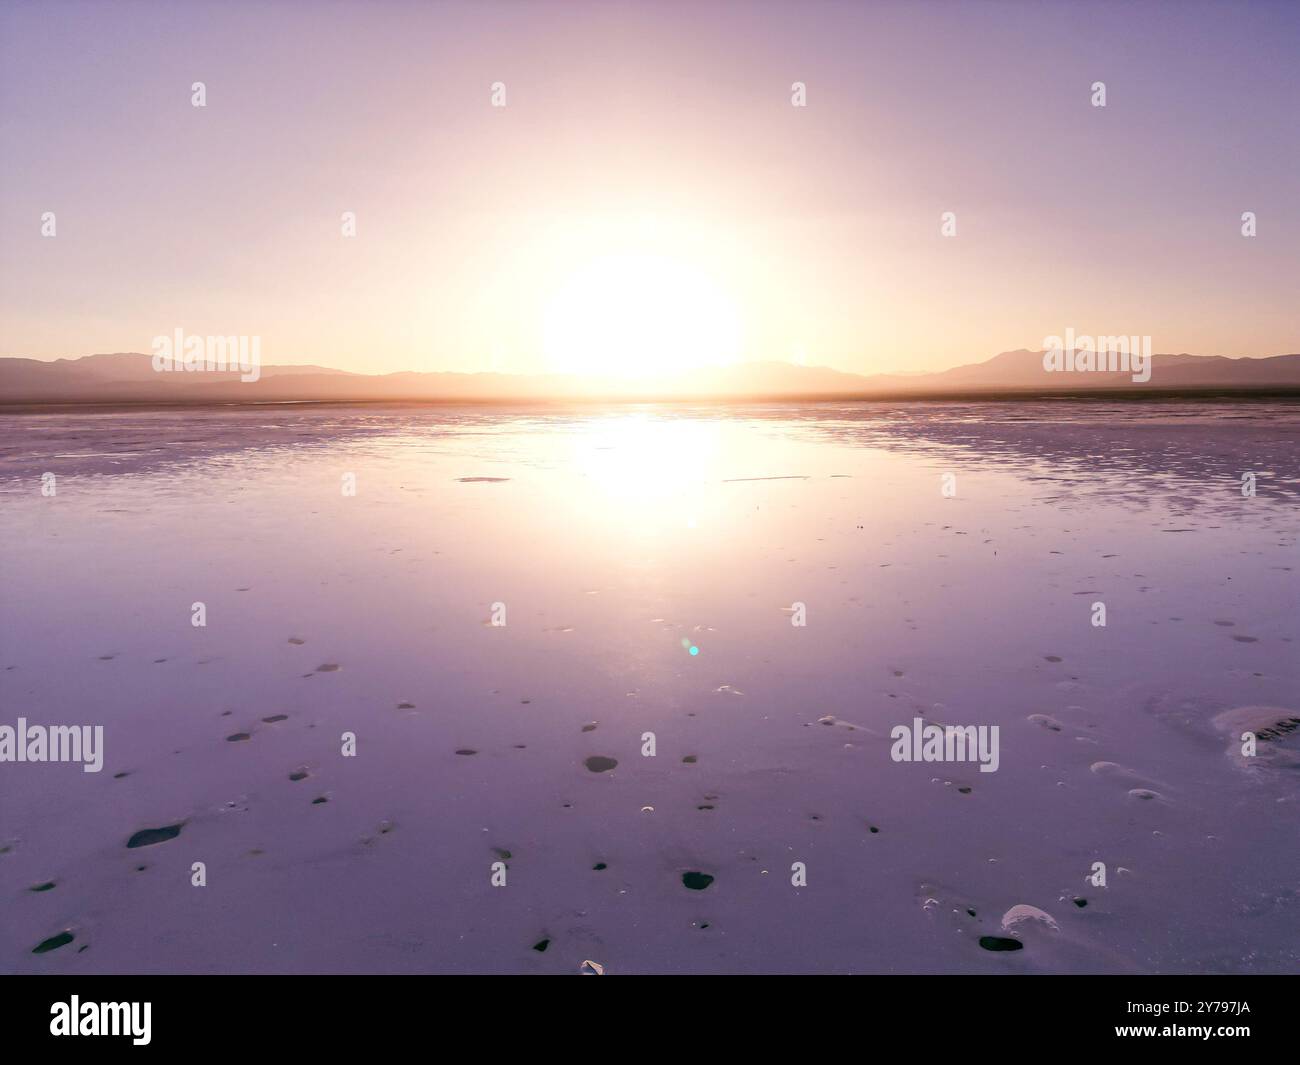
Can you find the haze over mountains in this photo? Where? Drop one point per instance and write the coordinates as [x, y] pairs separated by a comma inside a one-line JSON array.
[[131, 378]]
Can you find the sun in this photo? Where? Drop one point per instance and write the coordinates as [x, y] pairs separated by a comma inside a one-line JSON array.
[[639, 316]]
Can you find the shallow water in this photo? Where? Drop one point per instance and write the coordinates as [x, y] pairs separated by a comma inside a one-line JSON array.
[[613, 542]]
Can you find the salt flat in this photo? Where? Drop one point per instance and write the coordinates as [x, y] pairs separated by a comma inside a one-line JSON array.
[[611, 542]]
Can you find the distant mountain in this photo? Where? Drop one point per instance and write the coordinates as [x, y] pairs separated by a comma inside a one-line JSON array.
[[1022, 369], [130, 378], [118, 375]]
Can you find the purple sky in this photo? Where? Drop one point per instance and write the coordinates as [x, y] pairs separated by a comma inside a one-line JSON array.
[[660, 130]]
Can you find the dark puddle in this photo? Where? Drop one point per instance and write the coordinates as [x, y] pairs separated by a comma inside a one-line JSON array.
[[697, 881], [275, 717], [598, 763], [466, 751], [147, 837], [541, 945], [1000, 943], [53, 943], [238, 737], [47, 886]]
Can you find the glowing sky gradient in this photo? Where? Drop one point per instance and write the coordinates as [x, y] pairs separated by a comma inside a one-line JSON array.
[[660, 128]]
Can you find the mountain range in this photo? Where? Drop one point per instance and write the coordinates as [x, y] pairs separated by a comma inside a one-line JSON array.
[[129, 377]]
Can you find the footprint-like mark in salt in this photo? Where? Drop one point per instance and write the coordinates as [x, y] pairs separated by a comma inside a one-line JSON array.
[[275, 717], [1022, 914], [1021, 927], [831, 720], [1146, 795], [328, 667], [1124, 776], [238, 737], [1047, 722]]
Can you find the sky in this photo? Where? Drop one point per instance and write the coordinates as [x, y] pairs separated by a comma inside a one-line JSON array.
[[648, 196]]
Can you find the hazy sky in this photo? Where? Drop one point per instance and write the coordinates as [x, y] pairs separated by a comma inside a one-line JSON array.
[[649, 168]]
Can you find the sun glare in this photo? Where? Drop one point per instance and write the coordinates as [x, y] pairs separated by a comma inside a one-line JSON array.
[[639, 316]]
